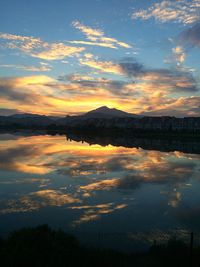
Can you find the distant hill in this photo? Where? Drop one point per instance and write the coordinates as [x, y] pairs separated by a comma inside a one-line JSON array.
[[105, 112], [31, 116], [102, 118], [102, 113], [26, 120]]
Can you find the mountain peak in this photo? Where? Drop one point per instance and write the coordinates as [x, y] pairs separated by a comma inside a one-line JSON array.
[[105, 112], [100, 109], [103, 107]]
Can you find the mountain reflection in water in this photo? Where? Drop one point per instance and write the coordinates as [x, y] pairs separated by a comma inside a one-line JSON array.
[[187, 144], [92, 190]]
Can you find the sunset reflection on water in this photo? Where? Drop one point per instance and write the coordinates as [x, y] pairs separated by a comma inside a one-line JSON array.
[[98, 189]]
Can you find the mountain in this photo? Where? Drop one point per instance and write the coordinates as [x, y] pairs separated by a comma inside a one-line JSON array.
[[25, 120], [32, 116], [102, 118], [25, 116], [105, 112], [101, 113]]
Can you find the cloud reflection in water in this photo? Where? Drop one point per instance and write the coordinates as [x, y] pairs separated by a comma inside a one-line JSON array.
[[97, 183]]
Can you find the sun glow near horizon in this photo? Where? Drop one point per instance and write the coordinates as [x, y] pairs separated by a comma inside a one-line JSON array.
[[144, 62]]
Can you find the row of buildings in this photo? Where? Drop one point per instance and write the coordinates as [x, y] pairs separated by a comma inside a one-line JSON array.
[[188, 124]]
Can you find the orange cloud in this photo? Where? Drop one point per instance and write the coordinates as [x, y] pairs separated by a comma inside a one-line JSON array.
[[101, 185], [39, 199], [134, 167], [92, 213], [152, 93]]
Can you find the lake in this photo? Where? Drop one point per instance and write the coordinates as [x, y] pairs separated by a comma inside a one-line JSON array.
[[109, 196]]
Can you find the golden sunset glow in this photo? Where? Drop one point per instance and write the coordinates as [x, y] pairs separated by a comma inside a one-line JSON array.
[[99, 132]]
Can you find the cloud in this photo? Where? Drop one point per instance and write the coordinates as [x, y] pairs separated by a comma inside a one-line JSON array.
[[87, 82], [179, 54], [97, 37], [169, 81], [177, 57], [39, 199], [94, 212], [9, 91], [8, 111], [150, 167], [149, 80], [175, 199], [88, 31], [182, 11], [35, 47], [103, 66], [145, 90], [55, 198], [43, 155], [34, 94], [101, 185], [44, 95], [57, 51], [191, 36], [110, 169], [181, 107], [22, 89], [41, 68], [75, 77], [110, 45], [132, 68], [24, 158]]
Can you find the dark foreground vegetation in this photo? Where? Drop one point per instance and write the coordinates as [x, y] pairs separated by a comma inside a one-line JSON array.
[[44, 247]]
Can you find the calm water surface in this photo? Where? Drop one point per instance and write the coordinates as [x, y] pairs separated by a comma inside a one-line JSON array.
[[107, 196]]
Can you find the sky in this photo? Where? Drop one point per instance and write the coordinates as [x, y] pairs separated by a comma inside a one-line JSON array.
[[71, 56]]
